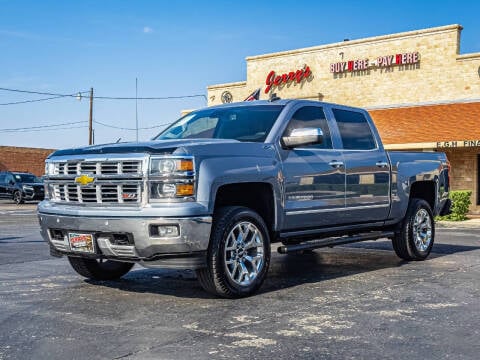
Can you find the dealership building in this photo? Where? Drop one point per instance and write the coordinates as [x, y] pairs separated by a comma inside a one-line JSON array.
[[421, 92]]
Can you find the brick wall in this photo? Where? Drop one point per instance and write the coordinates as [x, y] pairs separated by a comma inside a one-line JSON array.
[[464, 172], [23, 159]]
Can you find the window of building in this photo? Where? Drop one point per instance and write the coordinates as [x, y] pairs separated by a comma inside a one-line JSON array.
[[354, 130], [311, 117]]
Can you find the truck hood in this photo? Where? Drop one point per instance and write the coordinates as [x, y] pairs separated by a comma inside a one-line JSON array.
[[150, 147]]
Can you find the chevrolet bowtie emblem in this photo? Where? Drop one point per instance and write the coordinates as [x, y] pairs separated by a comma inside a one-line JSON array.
[[84, 179]]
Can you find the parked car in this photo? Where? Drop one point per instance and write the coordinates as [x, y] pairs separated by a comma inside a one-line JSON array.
[[21, 186], [215, 189]]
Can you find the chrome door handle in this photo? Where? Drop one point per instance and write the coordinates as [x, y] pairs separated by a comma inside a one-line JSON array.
[[335, 163], [382, 164]]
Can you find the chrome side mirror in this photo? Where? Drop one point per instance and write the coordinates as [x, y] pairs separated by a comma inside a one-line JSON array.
[[303, 136]]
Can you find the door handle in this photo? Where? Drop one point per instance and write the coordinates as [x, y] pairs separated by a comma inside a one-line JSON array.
[[382, 164], [335, 163]]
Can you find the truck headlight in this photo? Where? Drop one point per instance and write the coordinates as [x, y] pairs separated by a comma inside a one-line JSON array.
[[167, 166], [161, 190], [171, 178], [49, 168]]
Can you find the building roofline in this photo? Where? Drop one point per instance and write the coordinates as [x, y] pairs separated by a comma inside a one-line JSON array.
[[358, 41], [425, 103], [232, 84]]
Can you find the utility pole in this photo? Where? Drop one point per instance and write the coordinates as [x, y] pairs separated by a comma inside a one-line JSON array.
[[90, 119], [136, 107]]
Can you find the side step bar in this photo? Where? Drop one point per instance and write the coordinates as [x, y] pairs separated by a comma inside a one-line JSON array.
[[331, 242]]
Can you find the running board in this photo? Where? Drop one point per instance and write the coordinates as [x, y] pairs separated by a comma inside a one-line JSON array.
[[331, 242]]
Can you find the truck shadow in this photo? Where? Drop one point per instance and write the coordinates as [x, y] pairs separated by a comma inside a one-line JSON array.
[[285, 270]]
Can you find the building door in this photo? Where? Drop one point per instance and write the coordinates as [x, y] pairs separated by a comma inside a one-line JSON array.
[[478, 179]]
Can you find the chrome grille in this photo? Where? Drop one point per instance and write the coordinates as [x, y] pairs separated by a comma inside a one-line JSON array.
[[119, 167], [117, 181], [129, 192]]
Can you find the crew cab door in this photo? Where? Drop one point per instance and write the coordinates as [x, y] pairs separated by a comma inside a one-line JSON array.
[[367, 167], [313, 175]]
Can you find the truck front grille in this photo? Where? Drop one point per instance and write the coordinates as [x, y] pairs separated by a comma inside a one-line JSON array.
[[99, 193], [98, 167], [115, 181]]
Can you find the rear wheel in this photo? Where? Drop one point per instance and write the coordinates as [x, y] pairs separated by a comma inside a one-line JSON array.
[[99, 269], [238, 255], [415, 239], [18, 197]]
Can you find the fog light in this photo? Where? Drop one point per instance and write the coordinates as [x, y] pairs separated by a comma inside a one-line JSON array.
[[164, 230]]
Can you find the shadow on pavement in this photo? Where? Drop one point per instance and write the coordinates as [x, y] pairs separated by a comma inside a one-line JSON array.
[[285, 270]]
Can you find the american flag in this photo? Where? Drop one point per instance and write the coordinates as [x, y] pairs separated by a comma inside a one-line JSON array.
[[253, 96]]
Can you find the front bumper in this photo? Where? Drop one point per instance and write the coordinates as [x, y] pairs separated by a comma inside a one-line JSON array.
[[138, 244]]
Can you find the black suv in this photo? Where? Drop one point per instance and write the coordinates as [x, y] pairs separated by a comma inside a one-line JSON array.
[[20, 186]]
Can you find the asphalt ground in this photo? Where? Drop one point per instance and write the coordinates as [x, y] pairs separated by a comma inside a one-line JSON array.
[[350, 302]]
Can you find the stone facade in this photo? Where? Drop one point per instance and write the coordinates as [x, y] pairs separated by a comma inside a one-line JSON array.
[[441, 75], [435, 74]]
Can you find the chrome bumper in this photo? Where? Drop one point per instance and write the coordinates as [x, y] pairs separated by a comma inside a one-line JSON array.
[[187, 250]]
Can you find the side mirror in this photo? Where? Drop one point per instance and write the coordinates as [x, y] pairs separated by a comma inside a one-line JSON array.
[[304, 136]]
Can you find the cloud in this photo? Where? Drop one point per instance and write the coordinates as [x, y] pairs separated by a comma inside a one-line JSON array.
[[147, 30]]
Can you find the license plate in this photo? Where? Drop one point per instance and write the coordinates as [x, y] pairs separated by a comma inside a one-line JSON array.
[[81, 242]]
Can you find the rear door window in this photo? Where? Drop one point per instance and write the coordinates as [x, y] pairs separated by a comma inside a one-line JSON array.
[[354, 130]]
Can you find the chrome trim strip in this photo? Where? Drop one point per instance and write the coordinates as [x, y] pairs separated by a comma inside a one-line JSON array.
[[300, 212]]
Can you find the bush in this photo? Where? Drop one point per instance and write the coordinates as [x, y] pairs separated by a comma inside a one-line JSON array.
[[460, 204]]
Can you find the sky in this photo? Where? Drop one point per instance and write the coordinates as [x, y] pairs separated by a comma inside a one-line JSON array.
[[173, 48]]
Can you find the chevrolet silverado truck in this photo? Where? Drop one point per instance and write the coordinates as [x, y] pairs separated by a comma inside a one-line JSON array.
[[213, 190]]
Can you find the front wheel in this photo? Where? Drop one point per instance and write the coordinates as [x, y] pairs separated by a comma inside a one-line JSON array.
[[99, 269], [239, 253], [415, 239], [18, 198]]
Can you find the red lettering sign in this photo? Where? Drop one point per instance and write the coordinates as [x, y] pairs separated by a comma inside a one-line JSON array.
[[293, 76], [381, 61]]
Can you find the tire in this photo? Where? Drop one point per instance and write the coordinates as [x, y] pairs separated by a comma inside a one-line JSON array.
[[99, 269], [415, 239], [18, 198], [236, 267]]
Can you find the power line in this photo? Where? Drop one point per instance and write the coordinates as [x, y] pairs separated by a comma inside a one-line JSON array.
[[42, 126], [49, 129], [31, 101], [150, 98], [105, 97], [125, 128]]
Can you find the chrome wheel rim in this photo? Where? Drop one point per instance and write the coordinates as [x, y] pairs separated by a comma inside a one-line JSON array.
[[422, 230], [244, 253]]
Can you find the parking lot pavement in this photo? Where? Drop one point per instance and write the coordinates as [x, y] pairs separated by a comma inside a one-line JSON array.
[[358, 301]]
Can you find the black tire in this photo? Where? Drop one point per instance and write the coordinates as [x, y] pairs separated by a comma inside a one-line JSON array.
[[99, 269], [216, 278], [404, 242], [18, 197]]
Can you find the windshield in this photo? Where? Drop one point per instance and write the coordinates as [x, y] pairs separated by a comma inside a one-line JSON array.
[[242, 123], [26, 178]]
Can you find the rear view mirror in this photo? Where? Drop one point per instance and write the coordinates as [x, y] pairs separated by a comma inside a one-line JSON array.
[[303, 136]]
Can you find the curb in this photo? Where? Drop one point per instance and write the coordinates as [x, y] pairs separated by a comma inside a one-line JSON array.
[[467, 224]]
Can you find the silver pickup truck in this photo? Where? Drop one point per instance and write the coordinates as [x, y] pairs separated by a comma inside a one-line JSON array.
[[217, 187]]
